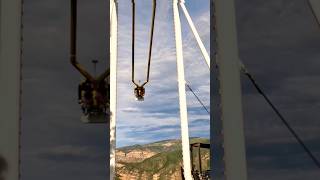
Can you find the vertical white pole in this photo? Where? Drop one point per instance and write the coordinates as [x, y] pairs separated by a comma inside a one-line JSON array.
[[182, 94], [195, 33], [230, 89], [10, 57], [113, 84], [315, 5]]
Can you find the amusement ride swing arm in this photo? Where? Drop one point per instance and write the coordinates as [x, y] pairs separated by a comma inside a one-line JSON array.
[[150, 45], [73, 42], [151, 40], [104, 75]]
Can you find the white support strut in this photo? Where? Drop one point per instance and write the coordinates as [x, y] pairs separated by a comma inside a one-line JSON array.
[[195, 33], [10, 73], [182, 94], [230, 91], [315, 5], [113, 84]]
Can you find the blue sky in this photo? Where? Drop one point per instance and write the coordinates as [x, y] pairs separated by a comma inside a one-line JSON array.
[[157, 118]]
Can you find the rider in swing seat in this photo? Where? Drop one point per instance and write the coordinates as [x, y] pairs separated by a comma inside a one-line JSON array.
[[93, 93], [85, 95]]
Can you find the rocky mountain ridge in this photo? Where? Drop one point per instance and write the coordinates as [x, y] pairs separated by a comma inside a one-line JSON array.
[[159, 160]]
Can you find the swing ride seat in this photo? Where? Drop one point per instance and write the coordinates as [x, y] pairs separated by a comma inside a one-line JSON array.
[[95, 106], [139, 98], [92, 94], [96, 116], [139, 92]]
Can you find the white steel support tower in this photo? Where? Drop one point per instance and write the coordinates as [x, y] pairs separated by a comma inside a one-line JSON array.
[[230, 91], [10, 61], [113, 83], [230, 86], [195, 33], [182, 93], [181, 79]]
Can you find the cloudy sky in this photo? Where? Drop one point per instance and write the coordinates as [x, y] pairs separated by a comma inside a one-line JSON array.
[[279, 43], [157, 118]]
